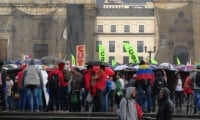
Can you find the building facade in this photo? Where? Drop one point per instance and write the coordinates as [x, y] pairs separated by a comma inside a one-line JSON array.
[[45, 27], [177, 30], [114, 26]]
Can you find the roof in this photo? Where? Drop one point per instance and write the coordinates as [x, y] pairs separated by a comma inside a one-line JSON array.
[[125, 12]]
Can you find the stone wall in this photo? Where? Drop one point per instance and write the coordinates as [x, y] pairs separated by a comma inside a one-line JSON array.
[[177, 22], [38, 29]]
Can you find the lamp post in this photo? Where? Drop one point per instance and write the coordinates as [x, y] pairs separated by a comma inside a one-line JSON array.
[[150, 52]]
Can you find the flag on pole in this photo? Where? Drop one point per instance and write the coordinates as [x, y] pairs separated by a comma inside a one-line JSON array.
[[153, 61], [73, 60], [131, 52], [102, 53], [178, 61]]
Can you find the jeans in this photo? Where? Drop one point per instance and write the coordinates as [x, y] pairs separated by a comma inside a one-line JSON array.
[[54, 100], [106, 103], [40, 102], [64, 102], [32, 95], [8, 102], [197, 99], [98, 101], [22, 99], [144, 98]]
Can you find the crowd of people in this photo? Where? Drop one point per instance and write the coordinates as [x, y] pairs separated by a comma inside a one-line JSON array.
[[59, 89]]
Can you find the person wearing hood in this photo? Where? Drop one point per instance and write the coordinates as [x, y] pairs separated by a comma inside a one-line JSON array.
[[165, 105], [32, 81], [55, 82], [128, 110], [64, 95]]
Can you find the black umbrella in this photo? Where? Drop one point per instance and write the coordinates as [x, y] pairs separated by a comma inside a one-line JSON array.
[[96, 63], [51, 60]]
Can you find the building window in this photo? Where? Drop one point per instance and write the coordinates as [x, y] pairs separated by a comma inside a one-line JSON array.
[[125, 60], [113, 28], [41, 31], [126, 28], [124, 50], [111, 46], [140, 46], [100, 28], [40, 50], [97, 45], [141, 58], [141, 28], [111, 58]]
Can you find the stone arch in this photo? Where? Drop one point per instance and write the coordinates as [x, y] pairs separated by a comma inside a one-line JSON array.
[[182, 53]]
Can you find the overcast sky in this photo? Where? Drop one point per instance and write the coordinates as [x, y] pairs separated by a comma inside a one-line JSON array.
[[100, 2]]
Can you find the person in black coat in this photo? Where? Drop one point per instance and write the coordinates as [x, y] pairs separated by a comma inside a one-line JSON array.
[[165, 110]]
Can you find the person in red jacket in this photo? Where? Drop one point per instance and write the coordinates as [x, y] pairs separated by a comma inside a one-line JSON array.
[[55, 81], [87, 76], [22, 98], [99, 87], [64, 95], [188, 92]]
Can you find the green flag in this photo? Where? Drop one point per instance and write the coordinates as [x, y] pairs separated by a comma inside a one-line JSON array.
[[102, 53], [153, 61], [131, 52], [178, 61], [113, 62], [73, 60]]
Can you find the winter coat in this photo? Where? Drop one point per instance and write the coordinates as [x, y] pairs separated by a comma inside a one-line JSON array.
[[128, 110], [158, 84], [32, 76], [87, 80], [165, 109], [20, 75], [61, 67], [60, 75], [76, 81]]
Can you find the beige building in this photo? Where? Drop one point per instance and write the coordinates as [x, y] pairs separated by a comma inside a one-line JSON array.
[[46, 27], [114, 26]]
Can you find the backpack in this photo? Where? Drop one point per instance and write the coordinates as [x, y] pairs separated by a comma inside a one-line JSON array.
[[31, 76], [197, 79], [54, 82], [66, 75]]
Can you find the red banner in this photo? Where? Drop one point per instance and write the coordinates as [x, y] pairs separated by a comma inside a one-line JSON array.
[[80, 55]]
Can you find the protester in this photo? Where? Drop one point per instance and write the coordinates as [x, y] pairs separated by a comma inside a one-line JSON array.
[[8, 97], [99, 87], [165, 105], [22, 92], [179, 92], [195, 77], [159, 83], [32, 81], [75, 102], [144, 81], [128, 109]]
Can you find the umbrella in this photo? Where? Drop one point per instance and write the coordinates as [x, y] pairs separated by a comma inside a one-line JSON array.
[[109, 71], [96, 63], [11, 67], [51, 60], [36, 61], [167, 66], [120, 67]]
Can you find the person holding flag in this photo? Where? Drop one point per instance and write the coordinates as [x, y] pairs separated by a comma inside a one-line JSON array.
[[144, 81]]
